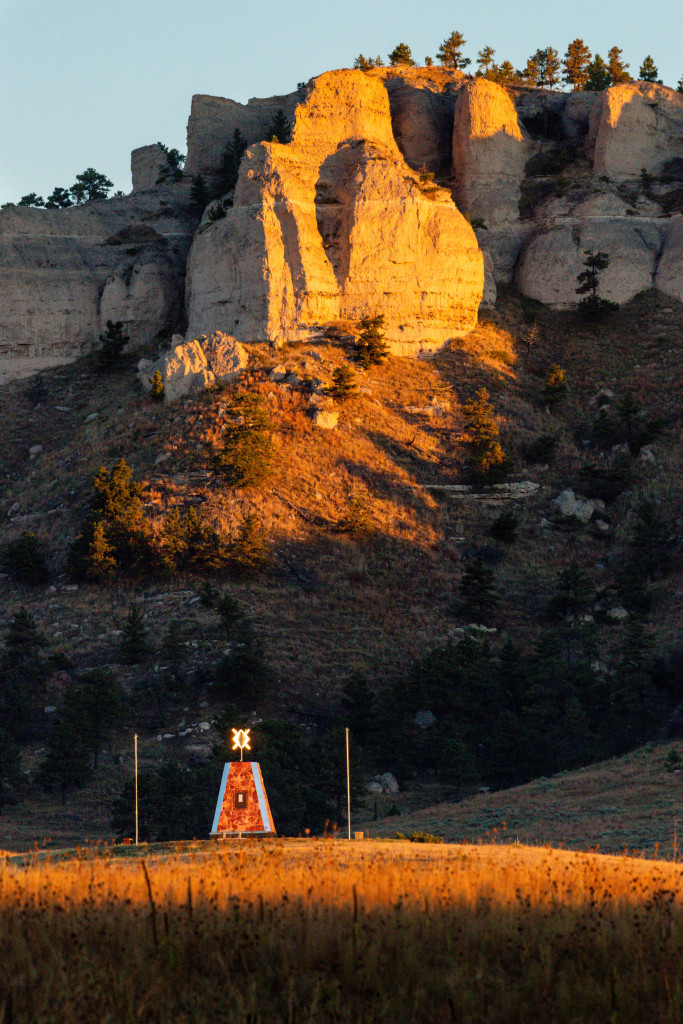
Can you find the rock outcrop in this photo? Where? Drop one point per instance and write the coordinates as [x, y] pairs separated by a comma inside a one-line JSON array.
[[146, 164], [194, 365], [490, 152], [335, 225], [553, 259], [64, 273], [634, 127]]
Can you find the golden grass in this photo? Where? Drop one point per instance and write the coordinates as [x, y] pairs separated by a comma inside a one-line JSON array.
[[329, 931]]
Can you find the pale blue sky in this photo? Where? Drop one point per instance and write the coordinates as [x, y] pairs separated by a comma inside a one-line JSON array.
[[84, 83]]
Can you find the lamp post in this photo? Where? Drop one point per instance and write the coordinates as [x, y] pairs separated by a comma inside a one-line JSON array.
[[348, 782], [136, 788]]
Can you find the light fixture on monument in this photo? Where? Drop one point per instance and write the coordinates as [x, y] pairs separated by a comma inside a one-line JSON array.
[[242, 806]]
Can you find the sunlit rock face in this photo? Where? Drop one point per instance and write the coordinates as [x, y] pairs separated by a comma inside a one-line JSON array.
[[336, 225], [634, 127], [490, 151]]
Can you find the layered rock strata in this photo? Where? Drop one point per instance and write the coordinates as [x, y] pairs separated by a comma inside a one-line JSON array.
[[64, 273], [335, 225]]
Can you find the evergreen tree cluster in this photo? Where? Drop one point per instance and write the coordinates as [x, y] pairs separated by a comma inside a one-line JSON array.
[[544, 69]]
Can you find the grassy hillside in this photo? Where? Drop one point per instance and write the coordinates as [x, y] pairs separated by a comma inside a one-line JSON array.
[[332, 600]]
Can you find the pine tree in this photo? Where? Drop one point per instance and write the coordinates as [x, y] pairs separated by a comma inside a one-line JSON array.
[[24, 669], [113, 343], [593, 307], [279, 129], [199, 192], [486, 460], [504, 527], [679, 87], [360, 708], [371, 348], [24, 560], [599, 76], [505, 74], [449, 53], [543, 68], [232, 158], [362, 63], [67, 763], [650, 539], [134, 640], [242, 675], [247, 455], [573, 591], [478, 592], [616, 67], [31, 200], [649, 71], [90, 185], [485, 61], [401, 54], [343, 383], [575, 64], [58, 199], [116, 528], [96, 708]]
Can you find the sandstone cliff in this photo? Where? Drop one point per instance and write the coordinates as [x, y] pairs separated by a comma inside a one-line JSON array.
[[344, 220], [64, 273], [335, 225]]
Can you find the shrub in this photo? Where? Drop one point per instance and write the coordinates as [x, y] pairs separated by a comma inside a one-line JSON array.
[[247, 456], [478, 592], [242, 675], [356, 522], [606, 482], [504, 528], [24, 560], [555, 385], [543, 449], [156, 391], [573, 592], [113, 343], [401, 54], [343, 383], [249, 552]]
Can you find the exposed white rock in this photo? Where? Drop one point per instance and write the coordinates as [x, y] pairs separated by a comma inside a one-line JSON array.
[[183, 369], [669, 277], [145, 164], [226, 357], [553, 259], [635, 126], [326, 419], [569, 505]]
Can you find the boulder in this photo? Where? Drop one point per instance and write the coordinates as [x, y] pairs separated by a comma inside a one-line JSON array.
[[490, 151], [326, 419], [553, 258], [184, 369], [569, 505], [423, 719], [488, 299], [227, 359], [324, 225], [633, 127]]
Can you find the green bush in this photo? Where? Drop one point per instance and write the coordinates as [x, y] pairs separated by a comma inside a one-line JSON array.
[[343, 383], [543, 449], [249, 552], [156, 391]]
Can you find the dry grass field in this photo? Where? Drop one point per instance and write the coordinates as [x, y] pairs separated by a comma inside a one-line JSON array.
[[329, 931]]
